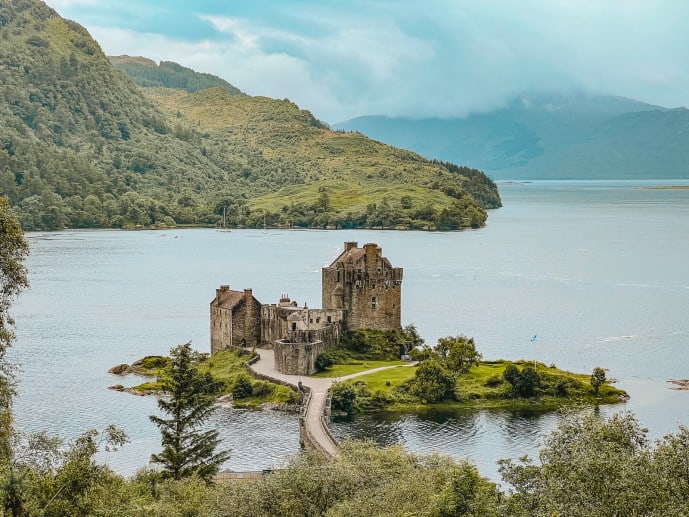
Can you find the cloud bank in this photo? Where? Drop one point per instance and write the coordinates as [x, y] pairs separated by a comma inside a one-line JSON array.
[[419, 59]]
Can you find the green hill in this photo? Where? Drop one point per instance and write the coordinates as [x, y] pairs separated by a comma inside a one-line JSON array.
[[81, 145], [551, 137], [145, 72]]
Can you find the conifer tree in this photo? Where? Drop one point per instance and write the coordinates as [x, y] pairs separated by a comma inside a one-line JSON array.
[[187, 449]]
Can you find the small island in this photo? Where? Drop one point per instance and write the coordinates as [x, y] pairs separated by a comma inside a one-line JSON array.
[[451, 375]]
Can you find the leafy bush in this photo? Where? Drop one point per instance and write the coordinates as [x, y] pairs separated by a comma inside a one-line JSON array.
[[525, 382], [493, 381], [343, 398], [597, 379], [261, 388], [432, 382], [324, 361], [243, 387], [384, 345]]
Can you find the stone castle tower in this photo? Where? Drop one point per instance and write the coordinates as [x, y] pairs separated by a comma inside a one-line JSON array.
[[363, 283]]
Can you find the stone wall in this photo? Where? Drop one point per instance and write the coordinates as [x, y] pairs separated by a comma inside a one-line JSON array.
[[280, 322], [246, 322], [294, 358], [221, 329]]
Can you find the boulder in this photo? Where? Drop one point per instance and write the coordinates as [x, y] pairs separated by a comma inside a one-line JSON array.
[[120, 369]]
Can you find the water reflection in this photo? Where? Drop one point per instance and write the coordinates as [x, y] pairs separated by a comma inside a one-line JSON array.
[[484, 436]]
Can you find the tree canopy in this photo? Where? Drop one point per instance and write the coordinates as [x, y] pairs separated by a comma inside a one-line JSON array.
[[593, 466]]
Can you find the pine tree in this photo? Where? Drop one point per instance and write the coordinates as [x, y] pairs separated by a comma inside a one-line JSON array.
[[187, 450]]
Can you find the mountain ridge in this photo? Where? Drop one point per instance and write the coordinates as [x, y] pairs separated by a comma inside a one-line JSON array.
[[148, 74], [550, 137]]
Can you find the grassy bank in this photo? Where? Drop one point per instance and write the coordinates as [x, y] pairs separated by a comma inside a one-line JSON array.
[[482, 387], [228, 367]]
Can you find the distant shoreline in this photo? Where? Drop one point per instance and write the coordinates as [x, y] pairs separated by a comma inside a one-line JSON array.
[[666, 187]]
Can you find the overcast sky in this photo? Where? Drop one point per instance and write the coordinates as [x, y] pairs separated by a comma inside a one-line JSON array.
[[346, 58]]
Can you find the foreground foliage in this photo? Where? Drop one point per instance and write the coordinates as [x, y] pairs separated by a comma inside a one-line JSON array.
[[589, 466], [46, 477], [13, 279], [595, 467]]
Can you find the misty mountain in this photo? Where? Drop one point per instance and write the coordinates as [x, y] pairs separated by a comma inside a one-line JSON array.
[[550, 137]]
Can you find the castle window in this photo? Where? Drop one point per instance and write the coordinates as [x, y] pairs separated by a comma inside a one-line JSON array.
[[373, 302], [318, 320], [294, 325], [329, 319], [338, 277]]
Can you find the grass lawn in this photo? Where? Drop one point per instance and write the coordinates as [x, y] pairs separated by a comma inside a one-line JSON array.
[[387, 379], [355, 366], [484, 387]]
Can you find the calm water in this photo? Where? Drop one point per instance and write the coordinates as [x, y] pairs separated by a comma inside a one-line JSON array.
[[597, 270]]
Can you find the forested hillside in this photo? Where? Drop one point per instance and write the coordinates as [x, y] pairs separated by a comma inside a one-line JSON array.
[[81, 145]]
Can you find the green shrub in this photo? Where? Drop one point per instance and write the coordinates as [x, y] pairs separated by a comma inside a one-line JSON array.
[[384, 345], [261, 388], [343, 397], [525, 382], [243, 387], [154, 362], [432, 382], [324, 361]]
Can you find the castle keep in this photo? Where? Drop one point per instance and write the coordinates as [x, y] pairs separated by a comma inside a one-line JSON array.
[[363, 283], [360, 290]]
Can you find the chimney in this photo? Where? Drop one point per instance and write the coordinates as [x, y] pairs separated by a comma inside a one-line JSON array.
[[371, 255], [219, 292], [248, 294], [350, 245]]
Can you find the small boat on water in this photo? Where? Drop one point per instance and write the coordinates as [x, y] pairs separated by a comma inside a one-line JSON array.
[[222, 225]]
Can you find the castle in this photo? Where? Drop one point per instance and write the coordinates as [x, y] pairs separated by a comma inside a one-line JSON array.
[[360, 290]]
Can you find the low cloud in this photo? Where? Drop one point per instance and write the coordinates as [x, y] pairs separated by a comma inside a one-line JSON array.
[[442, 58]]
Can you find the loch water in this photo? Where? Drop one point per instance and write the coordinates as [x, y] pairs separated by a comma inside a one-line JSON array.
[[596, 270]]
